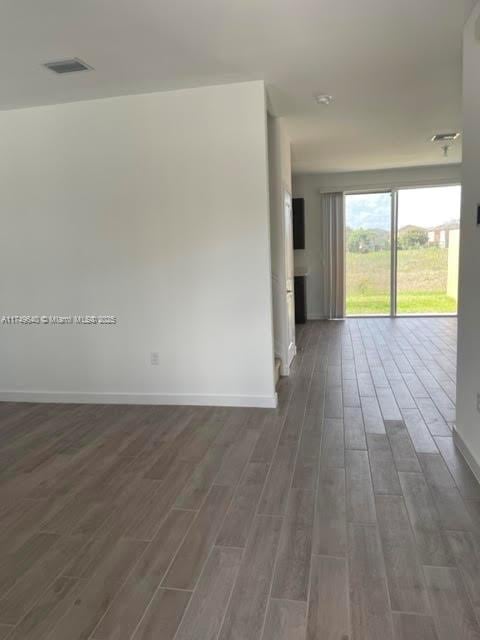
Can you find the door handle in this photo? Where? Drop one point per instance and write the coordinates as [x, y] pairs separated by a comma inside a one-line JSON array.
[[289, 290]]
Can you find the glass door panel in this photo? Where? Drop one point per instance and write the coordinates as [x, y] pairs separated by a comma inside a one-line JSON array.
[[368, 264], [428, 250]]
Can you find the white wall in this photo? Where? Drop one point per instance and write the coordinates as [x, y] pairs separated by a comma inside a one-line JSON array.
[[468, 419], [310, 186], [280, 171], [153, 208]]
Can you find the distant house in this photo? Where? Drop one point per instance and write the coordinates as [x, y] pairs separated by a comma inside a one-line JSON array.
[[440, 236]]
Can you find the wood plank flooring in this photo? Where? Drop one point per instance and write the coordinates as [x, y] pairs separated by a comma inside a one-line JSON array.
[[345, 513]]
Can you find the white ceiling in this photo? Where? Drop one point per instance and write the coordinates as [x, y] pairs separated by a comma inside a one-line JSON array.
[[393, 66]]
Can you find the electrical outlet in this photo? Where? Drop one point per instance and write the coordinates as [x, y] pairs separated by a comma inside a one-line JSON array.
[[478, 402], [155, 358]]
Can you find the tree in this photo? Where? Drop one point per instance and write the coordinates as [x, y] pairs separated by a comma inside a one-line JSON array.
[[366, 240], [412, 238]]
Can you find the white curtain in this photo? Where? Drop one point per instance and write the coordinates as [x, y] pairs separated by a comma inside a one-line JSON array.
[[333, 226]]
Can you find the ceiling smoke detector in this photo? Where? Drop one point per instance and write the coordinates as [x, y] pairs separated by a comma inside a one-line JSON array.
[[68, 66], [445, 137], [324, 98]]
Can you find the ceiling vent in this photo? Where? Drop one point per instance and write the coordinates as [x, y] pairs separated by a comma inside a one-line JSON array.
[[68, 66], [445, 137], [323, 98]]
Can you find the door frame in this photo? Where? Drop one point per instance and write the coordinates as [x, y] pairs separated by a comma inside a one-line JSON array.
[[394, 248], [289, 348]]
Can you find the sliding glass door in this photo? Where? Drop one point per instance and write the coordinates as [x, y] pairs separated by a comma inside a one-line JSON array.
[[402, 251], [428, 250], [368, 246]]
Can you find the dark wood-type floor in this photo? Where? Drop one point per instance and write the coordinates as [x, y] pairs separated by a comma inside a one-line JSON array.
[[345, 513]]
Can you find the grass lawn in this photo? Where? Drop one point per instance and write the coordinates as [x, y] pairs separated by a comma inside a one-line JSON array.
[[422, 282]]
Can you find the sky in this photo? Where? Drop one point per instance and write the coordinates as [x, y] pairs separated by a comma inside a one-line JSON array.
[[425, 207]]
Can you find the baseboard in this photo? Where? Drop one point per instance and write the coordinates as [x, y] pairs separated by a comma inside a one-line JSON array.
[[467, 456], [267, 402], [316, 316]]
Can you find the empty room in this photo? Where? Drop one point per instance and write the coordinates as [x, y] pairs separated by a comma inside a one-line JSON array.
[[239, 320]]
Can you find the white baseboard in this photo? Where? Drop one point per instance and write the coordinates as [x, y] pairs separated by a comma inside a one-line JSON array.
[[466, 453], [267, 402]]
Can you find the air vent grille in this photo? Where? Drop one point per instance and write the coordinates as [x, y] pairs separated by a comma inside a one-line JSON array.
[[445, 137], [68, 66]]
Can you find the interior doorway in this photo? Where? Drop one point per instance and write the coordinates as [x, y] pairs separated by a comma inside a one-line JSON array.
[[402, 251]]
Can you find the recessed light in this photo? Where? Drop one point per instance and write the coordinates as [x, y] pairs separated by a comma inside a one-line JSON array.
[[445, 137], [68, 66], [324, 98]]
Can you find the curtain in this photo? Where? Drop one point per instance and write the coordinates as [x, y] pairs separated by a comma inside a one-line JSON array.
[[333, 222]]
